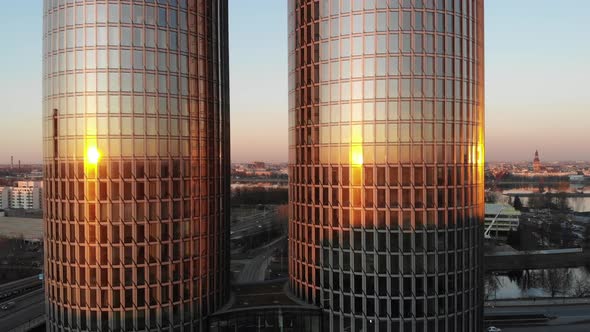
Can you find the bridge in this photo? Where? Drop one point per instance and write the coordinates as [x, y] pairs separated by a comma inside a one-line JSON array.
[[540, 259], [560, 194], [536, 315]]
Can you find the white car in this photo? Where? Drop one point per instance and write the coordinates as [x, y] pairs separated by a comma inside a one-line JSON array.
[[6, 306], [493, 329]]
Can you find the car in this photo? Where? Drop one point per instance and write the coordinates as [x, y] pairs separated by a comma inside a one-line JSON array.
[[493, 329], [7, 305]]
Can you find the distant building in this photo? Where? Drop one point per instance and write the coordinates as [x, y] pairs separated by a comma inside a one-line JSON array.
[[507, 221], [4, 197], [26, 195], [259, 165], [537, 163]]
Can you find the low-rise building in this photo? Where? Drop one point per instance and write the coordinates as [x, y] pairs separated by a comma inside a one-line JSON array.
[[5, 197], [26, 195], [507, 220]]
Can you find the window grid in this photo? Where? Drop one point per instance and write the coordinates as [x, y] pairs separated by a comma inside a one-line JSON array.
[[386, 162], [138, 241]]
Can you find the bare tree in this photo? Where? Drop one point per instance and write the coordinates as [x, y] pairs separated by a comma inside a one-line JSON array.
[[492, 284], [557, 281], [587, 237], [580, 287]]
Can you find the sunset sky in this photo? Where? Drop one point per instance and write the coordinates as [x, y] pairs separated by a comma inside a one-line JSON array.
[[537, 71]]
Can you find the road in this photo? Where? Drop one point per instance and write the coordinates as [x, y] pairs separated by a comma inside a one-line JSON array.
[[253, 224], [570, 318], [584, 327], [26, 308], [255, 268]]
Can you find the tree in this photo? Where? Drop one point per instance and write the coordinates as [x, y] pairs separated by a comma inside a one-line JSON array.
[[517, 203], [561, 203], [581, 287], [513, 239], [536, 202], [491, 197], [557, 281], [255, 196], [492, 284], [587, 236], [555, 233]]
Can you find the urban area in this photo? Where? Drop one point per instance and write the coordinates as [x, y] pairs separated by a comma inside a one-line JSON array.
[[385, 214], [537, 242]]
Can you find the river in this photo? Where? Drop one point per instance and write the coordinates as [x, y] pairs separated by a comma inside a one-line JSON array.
[[573, 282], [577, 204]]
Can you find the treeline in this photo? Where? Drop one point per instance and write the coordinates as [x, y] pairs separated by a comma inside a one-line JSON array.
[[557, 201], [533, 179], [254, 196]]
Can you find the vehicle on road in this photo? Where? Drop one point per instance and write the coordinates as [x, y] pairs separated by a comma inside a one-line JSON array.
[[493, 329], [7, 305]]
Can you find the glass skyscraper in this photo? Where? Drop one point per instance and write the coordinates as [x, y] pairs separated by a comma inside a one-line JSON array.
[[136, 154], [386, 150]]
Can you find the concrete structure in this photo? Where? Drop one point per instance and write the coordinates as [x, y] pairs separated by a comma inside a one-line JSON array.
[[26, 195], [136, 163], [507, 220], [386, 157], [266, 306]]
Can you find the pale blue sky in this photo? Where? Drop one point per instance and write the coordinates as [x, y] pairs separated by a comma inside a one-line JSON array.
[[537, 69]]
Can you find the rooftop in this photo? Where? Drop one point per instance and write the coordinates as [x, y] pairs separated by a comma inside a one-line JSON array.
[[506, 209], [260, 295]]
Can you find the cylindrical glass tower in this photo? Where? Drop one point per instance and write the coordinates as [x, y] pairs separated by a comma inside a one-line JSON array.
[[386, 143], [136, 153]]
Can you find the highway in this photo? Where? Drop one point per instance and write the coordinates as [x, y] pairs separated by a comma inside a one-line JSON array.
[[26, 308], [569, 318], [255, 268], [253, 224], [16, 288], [556, 328]]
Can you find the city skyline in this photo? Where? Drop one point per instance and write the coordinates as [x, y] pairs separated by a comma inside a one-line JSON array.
[[297, 165], [520, 58]]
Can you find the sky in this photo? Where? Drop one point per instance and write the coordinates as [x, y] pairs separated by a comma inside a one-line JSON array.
[[537, 72]]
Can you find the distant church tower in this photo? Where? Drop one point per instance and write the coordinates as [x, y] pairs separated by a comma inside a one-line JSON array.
[[536, 162]]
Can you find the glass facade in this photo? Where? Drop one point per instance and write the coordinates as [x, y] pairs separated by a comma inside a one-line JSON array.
[[136, 154], [386, 150]]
